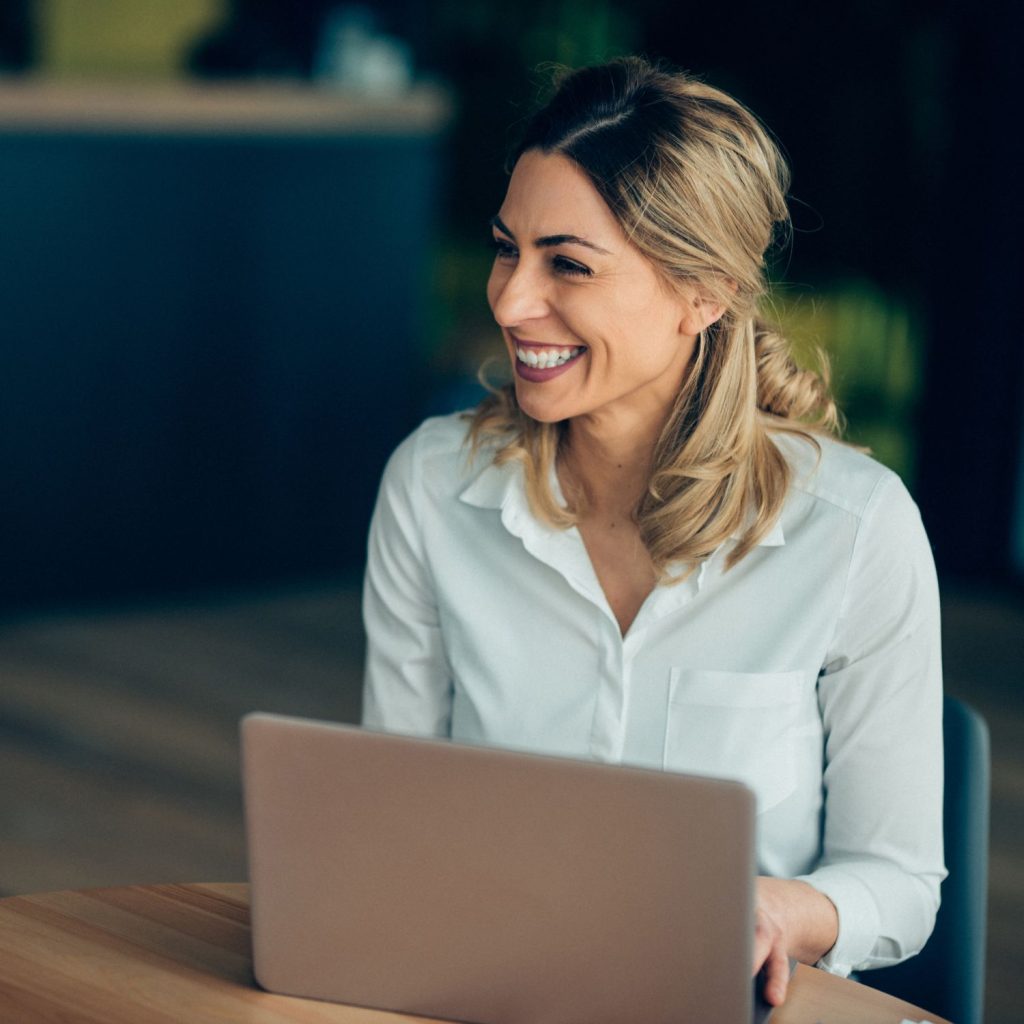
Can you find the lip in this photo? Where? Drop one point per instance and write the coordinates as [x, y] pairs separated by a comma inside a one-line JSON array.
[[534, 374]]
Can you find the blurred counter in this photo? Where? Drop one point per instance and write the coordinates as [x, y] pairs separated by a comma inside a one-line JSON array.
[[211, 306], [42, 105]]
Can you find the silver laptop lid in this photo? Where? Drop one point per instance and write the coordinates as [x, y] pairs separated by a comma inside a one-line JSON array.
[[477, 884]]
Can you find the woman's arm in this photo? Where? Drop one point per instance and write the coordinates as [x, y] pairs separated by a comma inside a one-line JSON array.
[[872, 898], [407, 684], [880, 697]]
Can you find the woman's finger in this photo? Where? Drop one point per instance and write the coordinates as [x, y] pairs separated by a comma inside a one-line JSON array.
[[767, 934], [776, 980]]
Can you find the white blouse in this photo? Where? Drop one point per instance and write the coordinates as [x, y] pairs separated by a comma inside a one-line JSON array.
[[810, 670]]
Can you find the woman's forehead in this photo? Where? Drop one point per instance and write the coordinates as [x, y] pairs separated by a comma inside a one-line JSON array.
[[548, 195]]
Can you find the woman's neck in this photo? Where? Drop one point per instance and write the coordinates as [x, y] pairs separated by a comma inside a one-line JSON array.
[[608, 468]]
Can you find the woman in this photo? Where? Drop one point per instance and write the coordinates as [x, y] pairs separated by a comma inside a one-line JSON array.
[[647, 550]]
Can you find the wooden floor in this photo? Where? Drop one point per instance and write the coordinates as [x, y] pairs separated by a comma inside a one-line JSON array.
[[118, 747]]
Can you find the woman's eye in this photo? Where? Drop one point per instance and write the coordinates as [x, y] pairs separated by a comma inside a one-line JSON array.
[[564, 265], [502, 249]]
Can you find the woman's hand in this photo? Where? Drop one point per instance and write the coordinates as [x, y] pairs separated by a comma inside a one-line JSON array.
[[791, 919]]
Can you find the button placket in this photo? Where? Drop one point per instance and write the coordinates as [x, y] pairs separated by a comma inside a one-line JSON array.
[[608, 732]]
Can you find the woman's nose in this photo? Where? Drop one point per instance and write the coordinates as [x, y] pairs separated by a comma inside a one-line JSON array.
[[517, 295]]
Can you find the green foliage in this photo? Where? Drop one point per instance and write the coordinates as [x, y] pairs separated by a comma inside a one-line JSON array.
[[872, 344], [578, 32], [570, 32]]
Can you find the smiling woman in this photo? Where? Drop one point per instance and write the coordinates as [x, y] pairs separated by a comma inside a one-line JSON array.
[[647, 549]]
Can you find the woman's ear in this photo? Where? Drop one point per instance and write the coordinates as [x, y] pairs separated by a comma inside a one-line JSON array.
[[701, 309]]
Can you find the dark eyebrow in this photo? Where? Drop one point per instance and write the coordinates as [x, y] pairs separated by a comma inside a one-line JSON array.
[[550, 240]]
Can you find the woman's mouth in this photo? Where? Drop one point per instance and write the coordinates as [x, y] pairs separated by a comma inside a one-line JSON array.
[[539, 363], [546, 358]]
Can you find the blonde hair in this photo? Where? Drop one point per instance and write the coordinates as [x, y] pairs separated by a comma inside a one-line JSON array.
[[699, 187]]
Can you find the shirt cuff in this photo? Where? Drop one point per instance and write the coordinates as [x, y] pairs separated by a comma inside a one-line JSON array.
[[858, 918]]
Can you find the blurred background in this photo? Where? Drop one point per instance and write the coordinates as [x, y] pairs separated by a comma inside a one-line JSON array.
[[243, 247]]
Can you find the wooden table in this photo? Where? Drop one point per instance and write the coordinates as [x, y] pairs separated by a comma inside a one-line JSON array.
[[167, 954]]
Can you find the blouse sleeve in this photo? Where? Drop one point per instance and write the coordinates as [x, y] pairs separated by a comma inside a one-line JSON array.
[[880, 695], [407, 683]]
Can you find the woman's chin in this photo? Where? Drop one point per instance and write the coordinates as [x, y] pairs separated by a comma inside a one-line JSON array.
[[539, 409]]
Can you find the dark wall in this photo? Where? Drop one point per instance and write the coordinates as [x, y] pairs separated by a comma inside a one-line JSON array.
[[208, 348], [972, 427]]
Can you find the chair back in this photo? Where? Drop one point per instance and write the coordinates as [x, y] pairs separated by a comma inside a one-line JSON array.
[[948, 976]]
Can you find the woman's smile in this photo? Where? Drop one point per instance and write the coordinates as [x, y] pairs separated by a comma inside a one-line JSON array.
[[537, 362]]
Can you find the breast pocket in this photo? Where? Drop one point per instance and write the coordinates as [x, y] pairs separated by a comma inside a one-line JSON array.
[[736, 725]]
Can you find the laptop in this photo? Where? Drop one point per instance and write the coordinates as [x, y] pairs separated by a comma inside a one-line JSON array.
[[482, 885]]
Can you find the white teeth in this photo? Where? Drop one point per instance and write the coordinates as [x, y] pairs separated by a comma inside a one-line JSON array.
[[546, 358]]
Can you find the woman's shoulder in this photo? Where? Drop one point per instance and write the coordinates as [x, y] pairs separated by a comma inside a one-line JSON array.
[[440, 435], [845, 477], [438, 451]]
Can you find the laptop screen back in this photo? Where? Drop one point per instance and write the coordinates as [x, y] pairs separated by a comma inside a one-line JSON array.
[[482, 885]]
